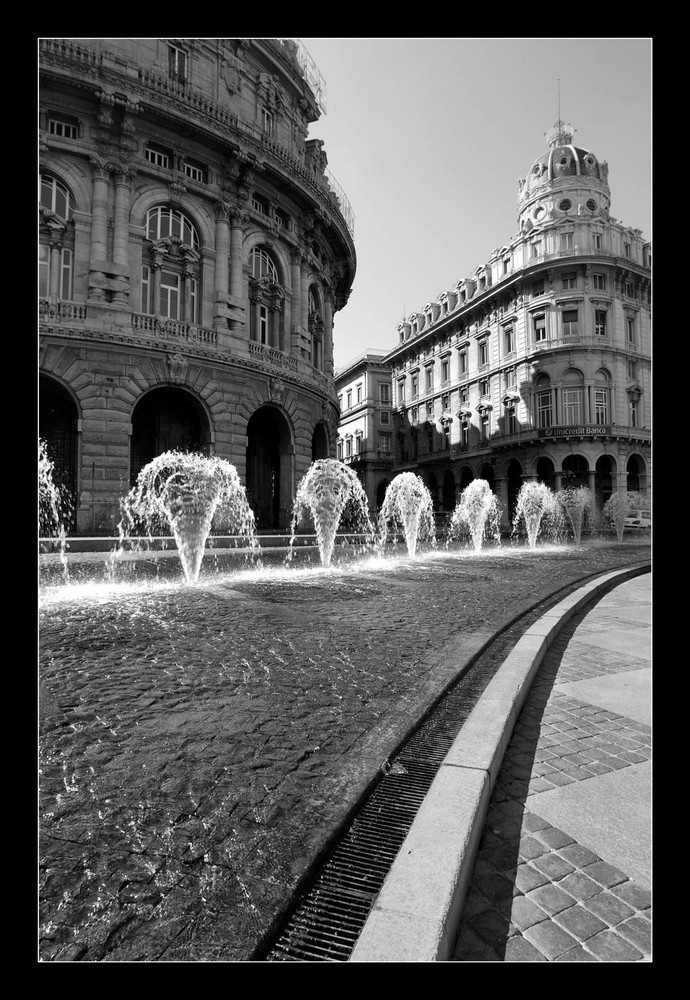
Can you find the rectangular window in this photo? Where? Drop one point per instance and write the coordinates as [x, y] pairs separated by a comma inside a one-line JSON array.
[[539, 329], [601, 406], [359, 393], [485, 427], [62, 127], [259, 205], [569, 322], [445, 371], [193, 301], [170, 294], [627, 249], [544, 409], [597, 241], [415, 386], [401, 392], [429, 379], [146, 303], [484, 387], [511, 420], [572, 406], [465, 432], [464, 396], [385, 417], [628, 289], [483, 349], [263, 325], [600, 322], [349, 398], [510, 378], [538, 288], [384, 393], [462, 362], [634, 412], [429, 411], [630, 337], [599, 281], [348, 447], [536, 249], [414, 414], [266, 121], [509, 339], [43, 270], [568, 281], [66, 275], [384, 442], [157, 157], [195, 171], [632, 370], [506, 265], [445, 402], [566, 241], [177, 63]]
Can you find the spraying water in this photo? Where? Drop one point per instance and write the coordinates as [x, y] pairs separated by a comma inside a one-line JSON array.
[[478, 512], [538, 508], [53, 504], [618, 507], [186, 492], [327, 492], [407, 507], [577, 504]]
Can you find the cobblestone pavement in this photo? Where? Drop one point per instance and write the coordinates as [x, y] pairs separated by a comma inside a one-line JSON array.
[[537, 894], [201, 746]]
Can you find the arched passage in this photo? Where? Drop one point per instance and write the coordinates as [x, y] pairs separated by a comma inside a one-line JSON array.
[[319, 443], [449, 491], [575, 471], [57, 425], [466, 477], [603, 479], [514, 477], [166, 419], [546, 473], [487, 472], [381, 493], [432, 486], [269, 468], [635, 474]]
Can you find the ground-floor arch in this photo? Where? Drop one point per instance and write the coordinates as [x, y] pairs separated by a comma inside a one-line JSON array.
[[575, 471], [546, 472], [514, 485], [448, 491], [466, 477], [58, 423], [381, 493], [166, 419], [270, 472], [636, 474], [319, 442], [604, 470]]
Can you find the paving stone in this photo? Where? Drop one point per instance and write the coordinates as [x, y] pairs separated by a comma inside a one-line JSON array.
[[553, 865], [530, 848], [605, 874], [491, 926], [550, 939], [576, 955], [577, 855], [634, 894], [495, 886], [580, 886], [580, 922], [608, 946], [528, 878], [532, 822], [524, 913], [638, 932], [519, 949], [555, 838], [609, 908], [551, 898]]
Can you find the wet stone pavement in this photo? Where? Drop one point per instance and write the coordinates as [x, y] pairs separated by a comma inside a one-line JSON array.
[[201, 746]]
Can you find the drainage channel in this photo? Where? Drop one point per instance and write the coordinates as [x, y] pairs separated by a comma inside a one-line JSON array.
[[329, 917]]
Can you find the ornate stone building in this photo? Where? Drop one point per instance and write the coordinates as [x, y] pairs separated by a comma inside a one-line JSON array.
[[538, 365], [193, 251], [365, 434]]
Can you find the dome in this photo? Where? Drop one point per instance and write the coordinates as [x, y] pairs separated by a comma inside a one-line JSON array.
[[565, 178]]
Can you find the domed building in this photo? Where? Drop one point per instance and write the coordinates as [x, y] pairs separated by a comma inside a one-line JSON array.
[[193, 250], [537, 366]]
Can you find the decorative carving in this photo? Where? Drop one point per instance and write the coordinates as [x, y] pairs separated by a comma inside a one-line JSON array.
[[276, 388], [177, 365]]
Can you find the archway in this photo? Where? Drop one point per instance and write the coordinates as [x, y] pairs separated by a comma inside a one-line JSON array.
[[381, 493], [466, 477], [449, 491], [166, 419], [487, 472], [514, 477], [546, 473], [603, 480], [319, 443], [635, 474], [432, 486], [575, 469], [57, 425], [269, 468]]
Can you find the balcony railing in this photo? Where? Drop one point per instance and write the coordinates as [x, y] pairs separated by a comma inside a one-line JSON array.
[[173, 329], [272, 356]]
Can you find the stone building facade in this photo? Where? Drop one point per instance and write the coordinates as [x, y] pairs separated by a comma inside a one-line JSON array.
[[366, 439], [538, 365], [193, 250]]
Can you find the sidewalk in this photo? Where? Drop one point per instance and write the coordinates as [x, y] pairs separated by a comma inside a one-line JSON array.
[[549, 860]]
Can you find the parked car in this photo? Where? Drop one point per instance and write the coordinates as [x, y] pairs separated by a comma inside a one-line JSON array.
[[638, 519]]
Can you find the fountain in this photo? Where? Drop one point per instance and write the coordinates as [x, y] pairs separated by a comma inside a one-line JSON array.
[[477, 512], [407, 506], [577, 503], [330, 492], [53, 505], [538, 508], [617, 508], [187, 492]]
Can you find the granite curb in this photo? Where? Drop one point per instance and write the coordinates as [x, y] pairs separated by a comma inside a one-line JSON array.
[[417, 913]]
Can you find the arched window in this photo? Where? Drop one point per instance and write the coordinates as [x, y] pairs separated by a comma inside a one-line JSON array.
[[601, 397], [572, 397], [316, 327], [56, 240], [266, 298], [544, 402], [171, 276]]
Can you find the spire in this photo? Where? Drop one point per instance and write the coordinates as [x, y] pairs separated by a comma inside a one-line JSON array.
[[560, 134]]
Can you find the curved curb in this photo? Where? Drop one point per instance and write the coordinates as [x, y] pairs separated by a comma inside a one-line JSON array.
[[417, 913]]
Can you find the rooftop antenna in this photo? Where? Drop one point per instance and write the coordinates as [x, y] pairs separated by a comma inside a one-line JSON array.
[[561, 133]]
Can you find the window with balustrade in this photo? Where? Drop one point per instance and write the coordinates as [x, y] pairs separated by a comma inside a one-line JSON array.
[[177, 63], [171, 267], [600, 328], [544, 402], [56, 240], [572, 396], [266, 299]]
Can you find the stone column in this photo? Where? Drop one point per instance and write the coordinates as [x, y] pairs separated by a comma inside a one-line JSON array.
[[99, 223], [295, 306], [222, 263], [328, 335], [123, 190], [304, 294], [55, 268]]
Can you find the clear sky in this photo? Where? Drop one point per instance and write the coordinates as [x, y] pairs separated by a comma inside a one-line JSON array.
[[429, 136]]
